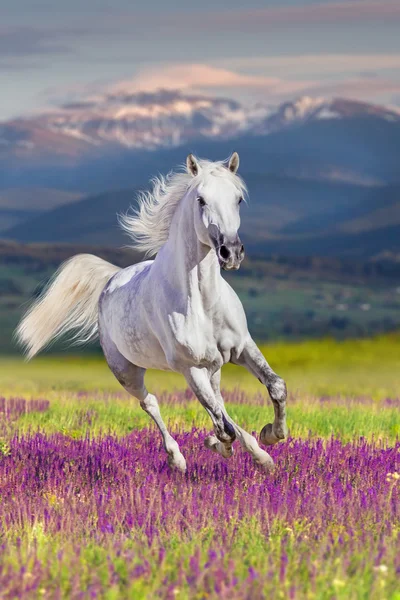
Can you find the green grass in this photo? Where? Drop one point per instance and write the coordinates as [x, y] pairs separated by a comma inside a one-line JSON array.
[[369, 367], [77, 418]]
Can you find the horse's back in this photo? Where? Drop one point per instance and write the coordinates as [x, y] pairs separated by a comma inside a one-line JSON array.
[[127, 276], [122, 290]]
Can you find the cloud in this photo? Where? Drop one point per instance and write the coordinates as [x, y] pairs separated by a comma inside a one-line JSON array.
[[208, 78], [27, 41], [22, 47], [354, 11], [314, 64], [205, 79], [21, 44], [166, 24], [197, 78], [193, 76], [189, 24]]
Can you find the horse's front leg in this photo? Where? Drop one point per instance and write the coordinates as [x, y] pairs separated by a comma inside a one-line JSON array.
[[226, 430], [212, 442], [252, 358], [199, 381]]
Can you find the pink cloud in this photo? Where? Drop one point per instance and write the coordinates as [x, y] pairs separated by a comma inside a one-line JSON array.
[[207, 78], [212, 80], [192, 75], [202, 77]]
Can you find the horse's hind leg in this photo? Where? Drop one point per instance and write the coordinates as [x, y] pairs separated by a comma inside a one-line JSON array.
[[131, 378]]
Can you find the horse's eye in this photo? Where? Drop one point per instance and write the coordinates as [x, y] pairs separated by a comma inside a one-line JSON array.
[[201, 201], [240, 199]]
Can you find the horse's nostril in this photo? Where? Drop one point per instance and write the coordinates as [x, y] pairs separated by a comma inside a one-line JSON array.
[[242, 249], [224, 252]]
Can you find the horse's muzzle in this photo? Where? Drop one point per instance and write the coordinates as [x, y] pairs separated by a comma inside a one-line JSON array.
[[230, 253]]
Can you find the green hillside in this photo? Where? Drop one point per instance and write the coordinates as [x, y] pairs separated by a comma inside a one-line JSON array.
[[284, 215], [284, 298]]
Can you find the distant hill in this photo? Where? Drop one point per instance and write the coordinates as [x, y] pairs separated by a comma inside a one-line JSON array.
[[373, 208], [366, 244], [284, 216], [21, 204], [89, 221]]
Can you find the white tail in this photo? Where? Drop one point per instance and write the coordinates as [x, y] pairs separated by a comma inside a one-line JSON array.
[[70, 303]]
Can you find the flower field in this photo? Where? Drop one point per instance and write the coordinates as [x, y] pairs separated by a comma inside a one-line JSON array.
[[90, 509], [100, 515]]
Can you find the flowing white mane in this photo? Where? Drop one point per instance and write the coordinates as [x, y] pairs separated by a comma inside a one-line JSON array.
[[149, 225]]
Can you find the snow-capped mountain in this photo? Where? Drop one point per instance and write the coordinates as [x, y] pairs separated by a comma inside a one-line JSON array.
[[142, 120], [311, 165], [150, 121], [160, 120], [305, 109]]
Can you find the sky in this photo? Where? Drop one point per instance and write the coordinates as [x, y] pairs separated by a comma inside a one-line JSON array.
[[55, 51]]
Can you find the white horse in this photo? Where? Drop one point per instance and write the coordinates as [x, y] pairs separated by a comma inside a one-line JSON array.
[[172, 313]]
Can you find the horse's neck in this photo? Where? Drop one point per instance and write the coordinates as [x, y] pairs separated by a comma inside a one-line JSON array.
[[191, 266]]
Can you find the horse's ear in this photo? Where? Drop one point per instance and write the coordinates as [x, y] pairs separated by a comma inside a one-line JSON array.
[[233, 164], [192, 165]]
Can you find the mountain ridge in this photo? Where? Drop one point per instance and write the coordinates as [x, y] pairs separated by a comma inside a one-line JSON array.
[[163, 119], [314, 168]]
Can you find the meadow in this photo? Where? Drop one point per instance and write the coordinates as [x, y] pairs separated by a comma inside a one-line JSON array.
[[90, 509]]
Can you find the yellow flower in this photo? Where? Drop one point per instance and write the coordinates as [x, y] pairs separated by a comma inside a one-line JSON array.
[[288, 529], [338, 583], [381, 569]]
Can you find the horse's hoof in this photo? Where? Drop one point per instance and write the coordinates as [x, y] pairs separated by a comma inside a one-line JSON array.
[[177, 461], [265, 462], [268, 436], [213, 443]]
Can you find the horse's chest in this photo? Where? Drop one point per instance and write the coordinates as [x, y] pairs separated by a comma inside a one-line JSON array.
[[195, 340]]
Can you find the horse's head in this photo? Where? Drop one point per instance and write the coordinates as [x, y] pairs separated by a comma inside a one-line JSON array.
[[217, 194]]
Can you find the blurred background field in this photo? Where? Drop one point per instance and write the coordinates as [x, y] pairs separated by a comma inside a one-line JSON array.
[[350, 368], [292, 298]]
